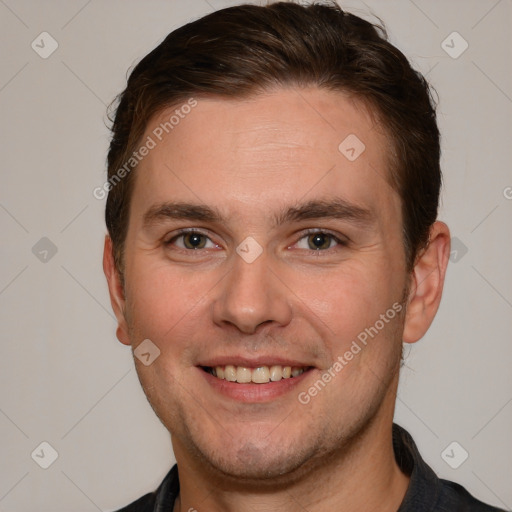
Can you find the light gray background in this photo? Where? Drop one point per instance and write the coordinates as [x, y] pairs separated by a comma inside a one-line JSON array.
[[66, 380]]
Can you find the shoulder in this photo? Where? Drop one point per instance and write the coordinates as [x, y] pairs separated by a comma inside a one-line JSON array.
[[144, 504], [427, 492], [455, 498], [161, 499]]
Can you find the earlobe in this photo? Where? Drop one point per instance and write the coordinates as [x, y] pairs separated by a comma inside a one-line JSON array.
[[116, 292], [427, 283]]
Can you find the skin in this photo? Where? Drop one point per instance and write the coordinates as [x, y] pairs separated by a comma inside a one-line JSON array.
[[251, 158]]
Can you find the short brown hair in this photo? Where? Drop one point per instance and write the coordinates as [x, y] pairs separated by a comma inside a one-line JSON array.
[[247, 49]]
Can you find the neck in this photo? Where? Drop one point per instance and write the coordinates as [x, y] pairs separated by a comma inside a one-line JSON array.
[[362, 476]]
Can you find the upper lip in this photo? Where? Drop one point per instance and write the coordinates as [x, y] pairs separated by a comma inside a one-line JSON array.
[[252, 362]]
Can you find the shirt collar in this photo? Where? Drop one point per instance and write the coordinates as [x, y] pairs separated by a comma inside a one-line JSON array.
[[424, 485], [167, 492]]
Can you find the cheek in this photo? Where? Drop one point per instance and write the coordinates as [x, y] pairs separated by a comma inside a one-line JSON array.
[[159, 303], [349, 299]]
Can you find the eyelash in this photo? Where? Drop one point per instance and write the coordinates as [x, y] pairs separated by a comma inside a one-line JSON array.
[[304, 234], [337, 239]]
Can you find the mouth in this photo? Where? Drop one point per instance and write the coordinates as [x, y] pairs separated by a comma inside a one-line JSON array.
[[257, 375]]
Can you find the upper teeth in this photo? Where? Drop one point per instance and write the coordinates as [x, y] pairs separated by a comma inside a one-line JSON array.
[[260, 375]]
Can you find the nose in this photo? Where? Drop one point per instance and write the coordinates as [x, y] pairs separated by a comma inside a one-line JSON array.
[[252, 294]]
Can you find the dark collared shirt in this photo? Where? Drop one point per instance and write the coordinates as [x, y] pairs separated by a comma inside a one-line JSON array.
[[426, 492]]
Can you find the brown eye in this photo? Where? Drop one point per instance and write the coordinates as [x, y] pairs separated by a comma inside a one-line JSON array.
[[191, 240], [194, 240], [317, 241]]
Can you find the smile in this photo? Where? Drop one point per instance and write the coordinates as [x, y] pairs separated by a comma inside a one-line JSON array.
[[259, 375]]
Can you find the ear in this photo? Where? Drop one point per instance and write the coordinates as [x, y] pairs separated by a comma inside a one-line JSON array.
[[427, 281], [115, 289]]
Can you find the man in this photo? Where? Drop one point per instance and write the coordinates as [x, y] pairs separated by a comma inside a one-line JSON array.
[[273, 190]]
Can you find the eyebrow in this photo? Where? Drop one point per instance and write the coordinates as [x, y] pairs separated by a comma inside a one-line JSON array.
[[335, 208]]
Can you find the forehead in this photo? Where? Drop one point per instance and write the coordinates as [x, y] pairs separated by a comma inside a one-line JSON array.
[[273, 148]]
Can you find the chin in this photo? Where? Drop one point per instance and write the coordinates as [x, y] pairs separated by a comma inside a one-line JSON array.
[[261, 464], [253, 467]]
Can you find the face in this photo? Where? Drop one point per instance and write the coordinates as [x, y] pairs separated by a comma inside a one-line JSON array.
[[257, 243]]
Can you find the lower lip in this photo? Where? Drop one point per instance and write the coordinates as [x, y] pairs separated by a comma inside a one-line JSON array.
[[251, 392]]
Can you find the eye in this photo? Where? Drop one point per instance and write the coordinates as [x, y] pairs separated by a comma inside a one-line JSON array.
[[319, 241], [191, 240]]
